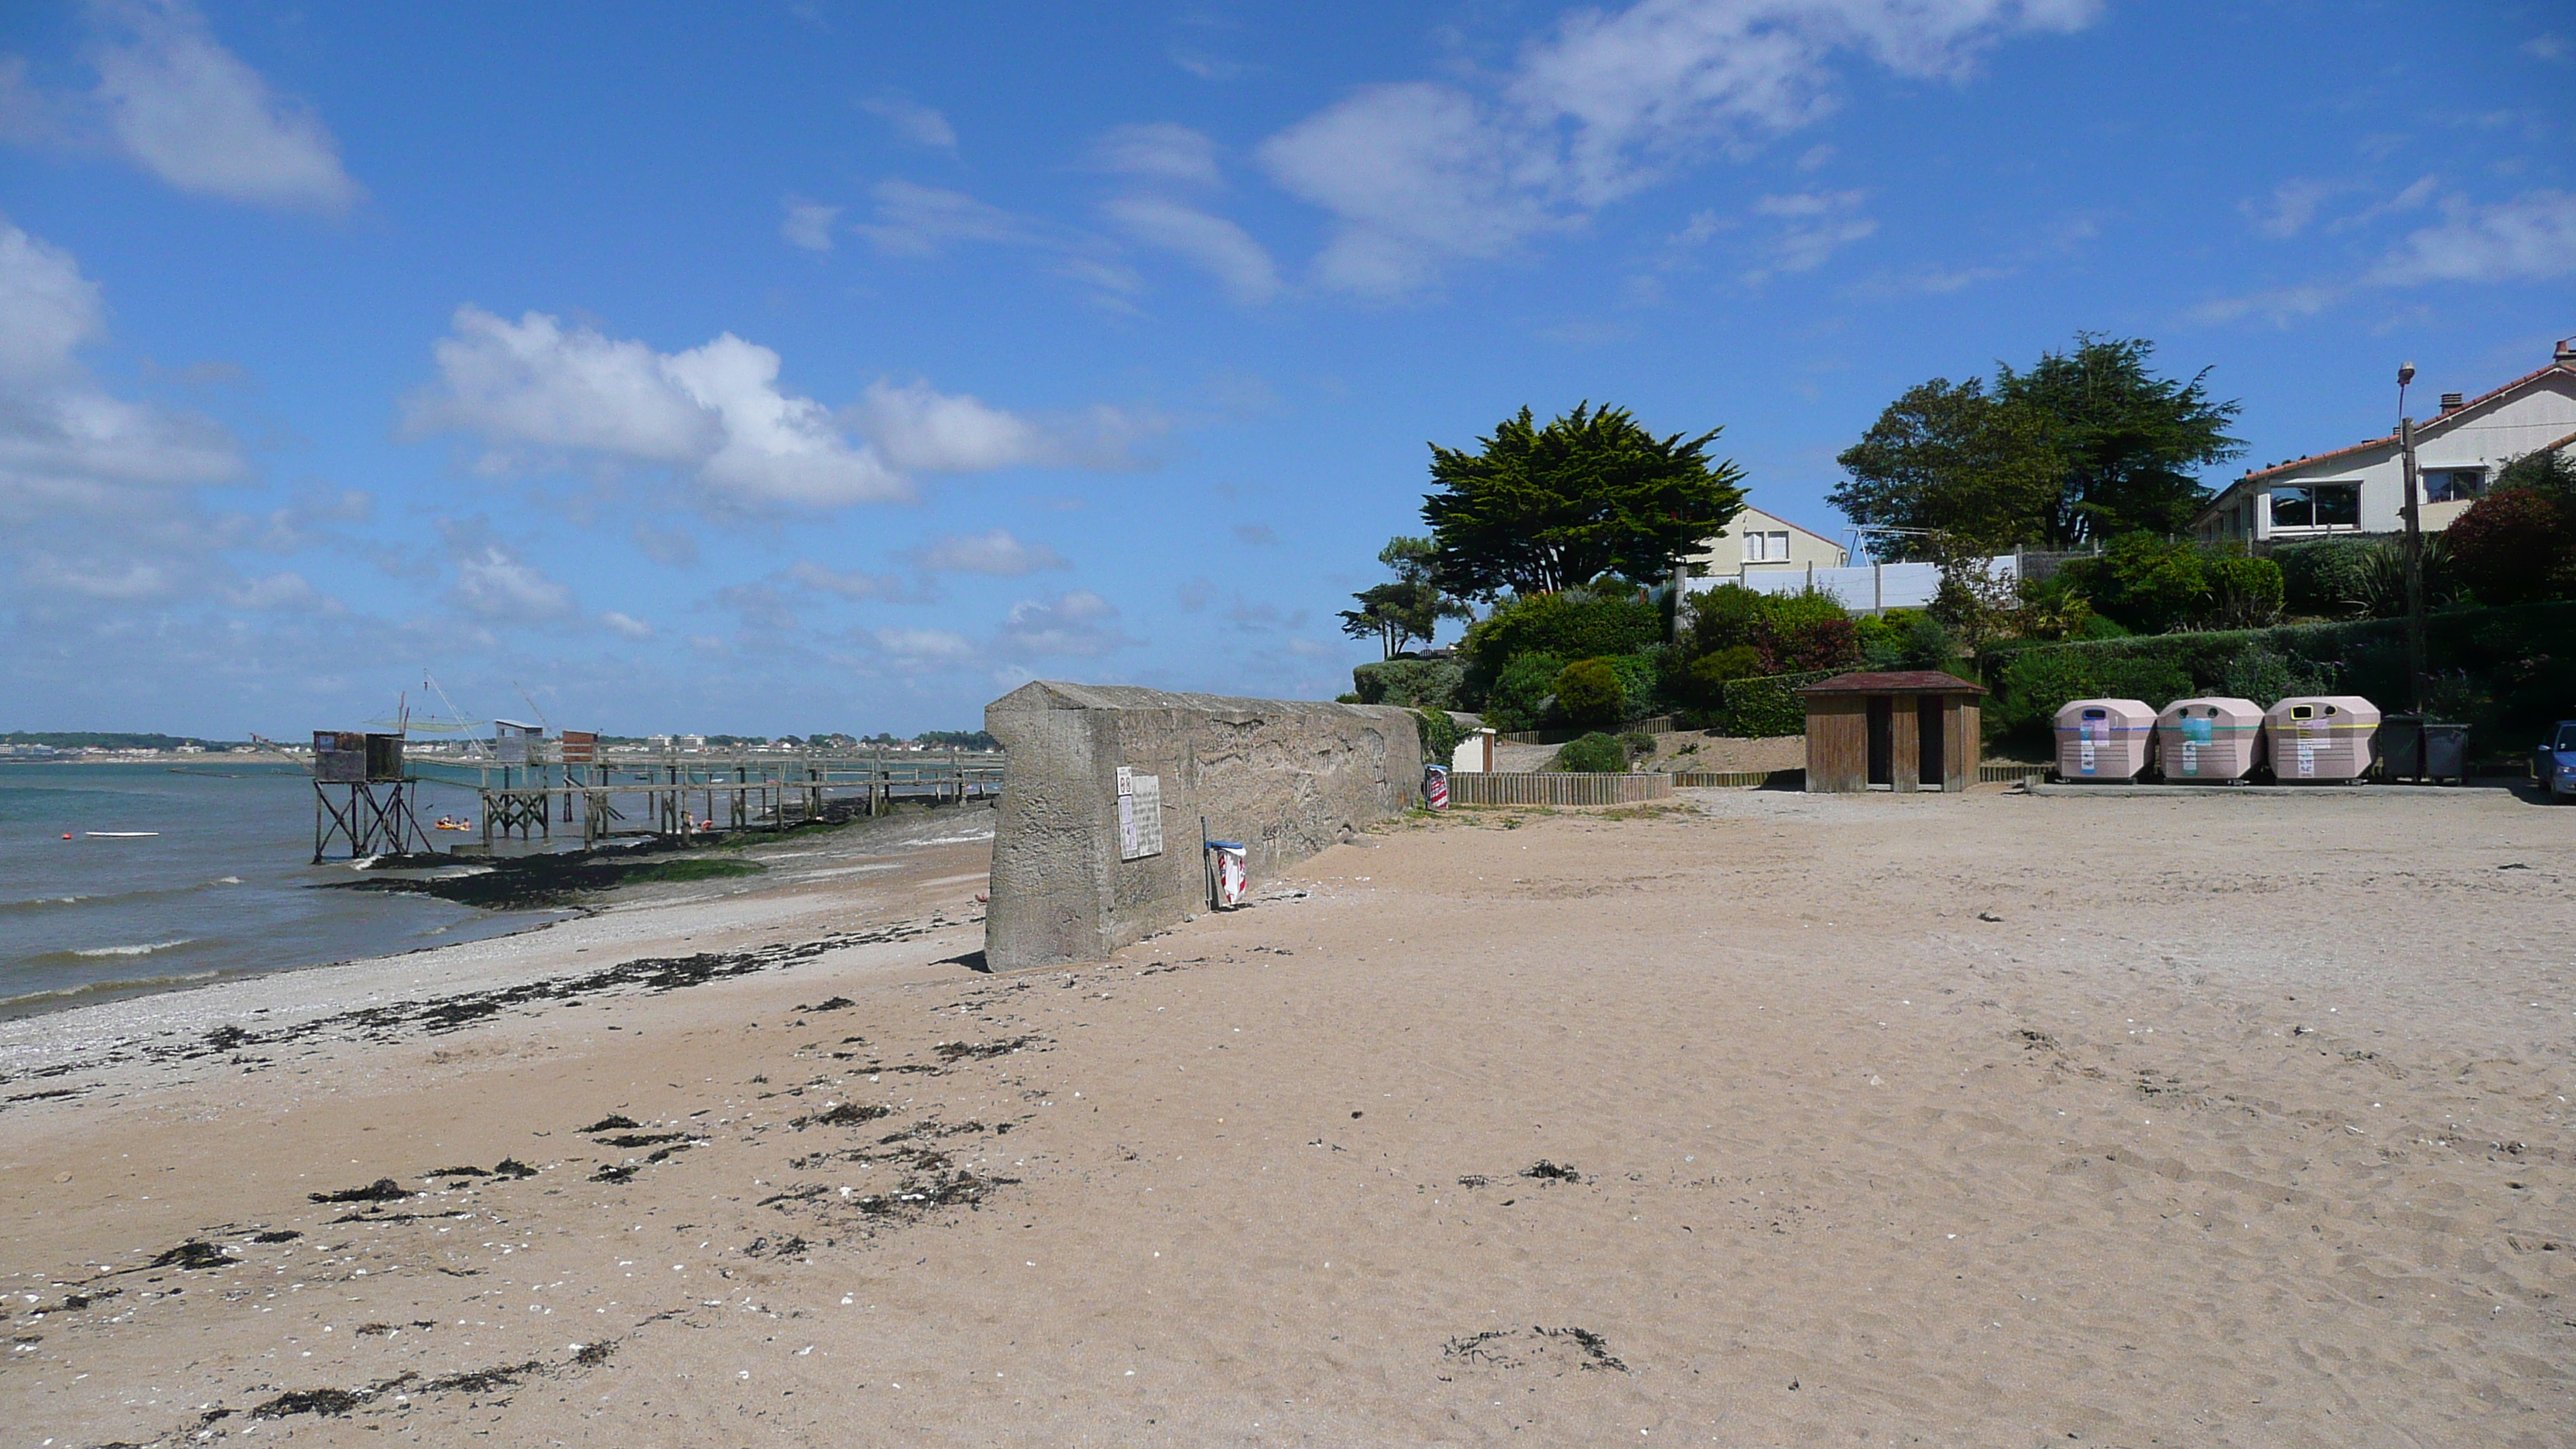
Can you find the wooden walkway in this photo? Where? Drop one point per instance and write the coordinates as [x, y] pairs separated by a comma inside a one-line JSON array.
[[680, 796]]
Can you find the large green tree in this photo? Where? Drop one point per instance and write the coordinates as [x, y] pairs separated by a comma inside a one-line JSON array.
[[1535, 509], [2090, 443], [1951, 461], [2131, 440]]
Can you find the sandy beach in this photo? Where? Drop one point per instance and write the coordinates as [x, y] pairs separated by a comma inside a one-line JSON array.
[[1761, 1119]]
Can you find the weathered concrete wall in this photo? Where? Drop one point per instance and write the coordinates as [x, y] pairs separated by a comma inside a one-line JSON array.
[[1284, 778]]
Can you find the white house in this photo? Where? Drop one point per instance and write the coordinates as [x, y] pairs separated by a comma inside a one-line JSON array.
[[2361, 489], [1756, 543]]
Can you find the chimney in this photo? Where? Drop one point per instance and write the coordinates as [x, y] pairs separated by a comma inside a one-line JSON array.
[[2451, 401], [2566, 352]]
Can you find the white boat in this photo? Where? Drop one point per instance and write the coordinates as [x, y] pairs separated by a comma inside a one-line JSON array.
[[122, 834]]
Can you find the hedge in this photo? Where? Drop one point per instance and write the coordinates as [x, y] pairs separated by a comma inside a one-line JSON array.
[[2506, 673], [1412, 683], [1767, 704]]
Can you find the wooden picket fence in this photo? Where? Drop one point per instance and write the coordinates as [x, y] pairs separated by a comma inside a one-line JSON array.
[[1733, 779], [1552, 788], [1655, 725]]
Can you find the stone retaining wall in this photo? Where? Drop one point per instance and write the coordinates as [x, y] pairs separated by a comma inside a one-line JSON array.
[[1284, 778]]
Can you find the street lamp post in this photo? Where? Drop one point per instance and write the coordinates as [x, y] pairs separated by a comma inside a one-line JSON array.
[[2414, 544]]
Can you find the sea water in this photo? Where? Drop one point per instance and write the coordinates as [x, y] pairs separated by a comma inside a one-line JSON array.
[[223, 889]]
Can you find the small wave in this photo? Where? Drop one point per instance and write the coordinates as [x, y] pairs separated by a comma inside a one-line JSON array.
[[96, 951], [226, 880], [42, 902], [97, 988]]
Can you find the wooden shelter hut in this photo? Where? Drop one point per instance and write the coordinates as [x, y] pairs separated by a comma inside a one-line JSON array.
[[1908, 730]]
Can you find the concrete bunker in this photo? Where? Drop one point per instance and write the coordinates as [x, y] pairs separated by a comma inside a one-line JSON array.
[[1097, 840]]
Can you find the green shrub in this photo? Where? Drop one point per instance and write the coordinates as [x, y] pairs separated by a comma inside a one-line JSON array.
[[1767, 705], [1905, 639], [1641, 679], [1588, 692], [1440, 735], [1639, 745], [1704, 683], [1412, 683], [1594, 754], [2516, 546], [2323, 579], [1517, 696], [2242, 593], [1574, 624], [2143, 581]]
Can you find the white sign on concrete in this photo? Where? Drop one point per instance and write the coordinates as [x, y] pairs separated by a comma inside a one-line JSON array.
[[1140, 815]]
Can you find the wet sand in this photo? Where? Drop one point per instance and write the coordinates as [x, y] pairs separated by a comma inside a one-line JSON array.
[[1766, 1119]]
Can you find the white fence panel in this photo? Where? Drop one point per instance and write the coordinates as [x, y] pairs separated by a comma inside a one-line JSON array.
[[1869, 588]]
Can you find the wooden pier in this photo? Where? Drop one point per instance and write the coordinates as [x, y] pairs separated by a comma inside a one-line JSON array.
[[685, 795]]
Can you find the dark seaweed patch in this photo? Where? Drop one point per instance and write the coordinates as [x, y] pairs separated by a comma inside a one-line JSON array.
[[309, 1401], [1546, 1171], [191, 1256], [837, 1003], [276, 1235], [611, 1123], [457, 1172], [1596, 1349], [643, 1139], [848, 1114], [958, 1051], [512, 1168], [620, 1173], [383, 1189], [484, 1380], [225, 1038]]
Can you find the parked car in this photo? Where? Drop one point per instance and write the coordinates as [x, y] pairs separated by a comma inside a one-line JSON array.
[[2553, 765]]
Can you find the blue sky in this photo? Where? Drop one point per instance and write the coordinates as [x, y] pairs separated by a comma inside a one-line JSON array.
[[783, 367]]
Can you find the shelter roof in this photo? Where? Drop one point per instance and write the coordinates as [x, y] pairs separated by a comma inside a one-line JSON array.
[[1901, 681]]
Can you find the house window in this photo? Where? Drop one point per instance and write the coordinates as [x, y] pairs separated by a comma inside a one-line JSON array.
[[1767, 547], [2317, 505], [2454, 485]]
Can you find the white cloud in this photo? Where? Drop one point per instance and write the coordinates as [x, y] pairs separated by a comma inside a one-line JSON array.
[[193, 114], [1214, 245], [626, 624], [1160, 151], [129, 581], [849, 586], [913, 121], [277, 591], [2530, 238], [1811, 227], [2292, 205], [713, 412], [808, 224], [925, 646], [921, 221], [1600, 107], [934, 432], [494, 584], [1416, 173], [64, 440], [1075, 624], [2546, 46], [942, 433], [2280, 305], [996, 553]]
